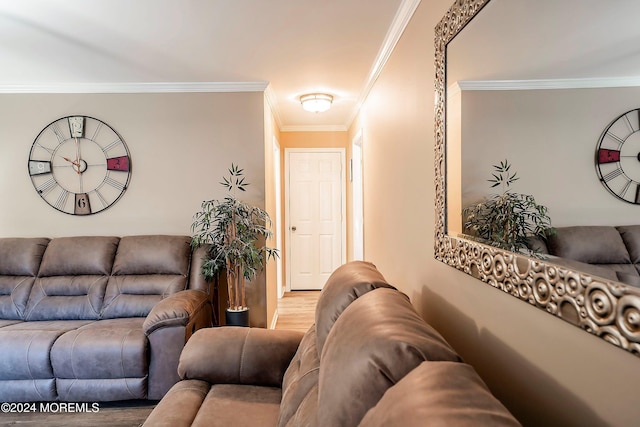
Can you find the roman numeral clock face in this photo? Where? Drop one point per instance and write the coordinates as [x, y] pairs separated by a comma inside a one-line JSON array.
[[618, 157], [79, 165]]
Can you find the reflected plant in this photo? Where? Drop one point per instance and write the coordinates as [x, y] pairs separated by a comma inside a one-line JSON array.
[[508, 220]]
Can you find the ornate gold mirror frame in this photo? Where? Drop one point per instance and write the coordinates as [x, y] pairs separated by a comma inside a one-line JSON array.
[[609, 310]]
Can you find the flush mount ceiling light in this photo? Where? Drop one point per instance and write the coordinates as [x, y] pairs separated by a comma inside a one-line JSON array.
[[316, 102]]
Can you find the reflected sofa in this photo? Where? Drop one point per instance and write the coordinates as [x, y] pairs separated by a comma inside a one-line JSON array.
[[97, 318], [369, 360], [606, 251]]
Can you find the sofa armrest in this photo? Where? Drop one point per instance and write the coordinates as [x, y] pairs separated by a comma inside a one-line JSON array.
[[179, 309], [239, 355]]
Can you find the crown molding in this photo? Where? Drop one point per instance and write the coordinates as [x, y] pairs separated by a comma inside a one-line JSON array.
[[272, 102], [315, 128], [398, 25], [454, 90], [155, 87], [586, 83]]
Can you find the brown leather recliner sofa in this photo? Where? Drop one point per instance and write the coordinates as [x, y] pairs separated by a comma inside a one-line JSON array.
[[369, 360], [606, 251], [97, 318]]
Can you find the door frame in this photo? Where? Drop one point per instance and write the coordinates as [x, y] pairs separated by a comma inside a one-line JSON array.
[[343, 203], [277, 171], [357, 197]]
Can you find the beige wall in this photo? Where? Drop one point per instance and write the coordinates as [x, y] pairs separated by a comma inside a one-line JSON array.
[[550, 138], [546, 371], [181, 145], [314, 140]]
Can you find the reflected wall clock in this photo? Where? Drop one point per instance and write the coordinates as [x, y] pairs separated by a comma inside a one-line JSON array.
[[79, 165], [618, 157]]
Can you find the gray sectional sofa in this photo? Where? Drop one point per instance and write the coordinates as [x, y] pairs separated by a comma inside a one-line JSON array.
[[97, 318], [606, 251], [369, 360]]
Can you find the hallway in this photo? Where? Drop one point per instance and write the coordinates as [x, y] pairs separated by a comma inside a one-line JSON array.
[[296, 310]]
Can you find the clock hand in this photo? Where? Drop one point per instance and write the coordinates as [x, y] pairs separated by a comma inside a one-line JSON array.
[[74, 163], [80, 178], [78, 155]]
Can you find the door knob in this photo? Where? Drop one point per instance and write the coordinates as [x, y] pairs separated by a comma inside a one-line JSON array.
[[294, 228]]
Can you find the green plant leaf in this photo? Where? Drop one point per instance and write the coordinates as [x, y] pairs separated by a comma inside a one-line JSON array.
[[509, 219], [234, 231]]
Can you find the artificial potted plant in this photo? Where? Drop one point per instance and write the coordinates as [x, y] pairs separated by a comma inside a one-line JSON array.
[[235, 233], [508, 220]]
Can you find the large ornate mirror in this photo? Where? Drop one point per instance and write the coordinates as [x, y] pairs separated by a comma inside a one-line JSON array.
[[537, 82]]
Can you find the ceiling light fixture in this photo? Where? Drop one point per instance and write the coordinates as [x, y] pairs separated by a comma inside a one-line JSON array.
[[316, 102]]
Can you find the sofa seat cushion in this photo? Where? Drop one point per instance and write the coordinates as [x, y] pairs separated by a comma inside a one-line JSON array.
[[179, 407], [4, 322], [61, 326], [439, 394], [239, 406], [108, 390], [628, 279], [105, 360], [34, 390], [376, 341], [198, 403], [25, 353], [25, 365], [117, 348], [619, 270]]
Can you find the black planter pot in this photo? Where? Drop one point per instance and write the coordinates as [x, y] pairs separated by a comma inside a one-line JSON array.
[[237, 318]]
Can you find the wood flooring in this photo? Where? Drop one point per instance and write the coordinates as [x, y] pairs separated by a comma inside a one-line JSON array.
[[296, 310]]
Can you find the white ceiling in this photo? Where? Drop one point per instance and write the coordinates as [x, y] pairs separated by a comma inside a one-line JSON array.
[[549, 40], [290, 47]]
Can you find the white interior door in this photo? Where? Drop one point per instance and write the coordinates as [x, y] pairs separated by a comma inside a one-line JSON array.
[[315, 199]]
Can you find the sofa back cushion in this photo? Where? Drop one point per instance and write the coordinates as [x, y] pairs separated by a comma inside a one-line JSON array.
[[300, 384], [376, 341], [72, 279], [439, 394], [66, 298], [346, 283], [20, 260], [590, 244], [81, 255], [631, 237], [146, 270], [196, 278]]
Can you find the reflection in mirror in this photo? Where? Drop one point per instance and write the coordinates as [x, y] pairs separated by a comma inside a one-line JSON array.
[[523, 85]]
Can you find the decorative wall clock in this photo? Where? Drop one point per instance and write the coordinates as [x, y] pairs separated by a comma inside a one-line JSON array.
[[79, 165], [618, 157]]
